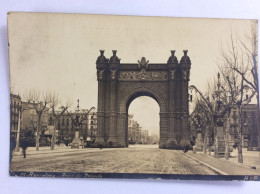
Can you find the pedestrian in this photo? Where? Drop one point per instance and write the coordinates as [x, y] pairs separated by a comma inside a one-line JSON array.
[[12, 146], [185, 148], [100, 146], [24, 145], [194, 149]]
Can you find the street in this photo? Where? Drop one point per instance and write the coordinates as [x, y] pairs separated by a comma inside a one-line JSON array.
[[135, 159]]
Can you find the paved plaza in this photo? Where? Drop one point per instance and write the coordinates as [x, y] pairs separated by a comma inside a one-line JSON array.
[[135, 159]]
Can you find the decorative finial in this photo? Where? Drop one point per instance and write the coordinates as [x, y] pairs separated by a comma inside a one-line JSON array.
[[114, 52], [78, 105], [172, 58], [185, 58], [102, 58], [114, 58]]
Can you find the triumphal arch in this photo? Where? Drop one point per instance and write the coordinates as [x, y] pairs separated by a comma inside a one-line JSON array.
[[120, 83]]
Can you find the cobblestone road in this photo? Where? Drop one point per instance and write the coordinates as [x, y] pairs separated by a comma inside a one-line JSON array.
[[142, 159]]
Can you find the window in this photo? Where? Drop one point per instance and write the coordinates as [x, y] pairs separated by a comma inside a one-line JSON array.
[[68, 122], [92, 117], [63, 122], [91, 123]]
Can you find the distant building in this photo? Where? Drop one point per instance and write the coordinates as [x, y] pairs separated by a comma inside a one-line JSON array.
[[92, 125], [29, 117], [15, 111], [134, 130], [153, 139], [249, 125], [137, 135], [144, 136], [68, 123]]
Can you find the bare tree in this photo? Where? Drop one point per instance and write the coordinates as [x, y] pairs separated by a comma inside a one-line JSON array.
[[206, 107], [234, 68], [200, 118], [241, 55], [39, 102], [56, 114], [214, 105], [250, 46], [22, 107]]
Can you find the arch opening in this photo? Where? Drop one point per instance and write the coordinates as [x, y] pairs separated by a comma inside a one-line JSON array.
[[143, 123]]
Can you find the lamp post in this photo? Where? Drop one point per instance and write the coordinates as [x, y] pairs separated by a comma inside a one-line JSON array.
[[215, 111], [78, 122]]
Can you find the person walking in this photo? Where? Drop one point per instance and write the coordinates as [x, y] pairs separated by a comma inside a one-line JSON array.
[[194, 149], [24, 145], [12, 146]]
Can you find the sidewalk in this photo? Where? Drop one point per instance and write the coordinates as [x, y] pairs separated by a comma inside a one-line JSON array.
[[231, 166], [250, 158]]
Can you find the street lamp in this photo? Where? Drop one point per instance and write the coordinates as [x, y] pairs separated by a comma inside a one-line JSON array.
[[78, 121]]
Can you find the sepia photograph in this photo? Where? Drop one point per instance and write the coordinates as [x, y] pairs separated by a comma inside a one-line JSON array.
[[139, 97]]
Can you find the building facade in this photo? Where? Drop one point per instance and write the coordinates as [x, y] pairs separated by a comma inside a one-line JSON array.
[[249, 131], [15, 111], [83, 121], [134, 131]]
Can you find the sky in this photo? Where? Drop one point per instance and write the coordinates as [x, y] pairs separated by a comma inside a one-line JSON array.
[[57, 52]]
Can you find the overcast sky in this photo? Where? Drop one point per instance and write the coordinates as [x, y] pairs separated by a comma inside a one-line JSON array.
[[58, 52]]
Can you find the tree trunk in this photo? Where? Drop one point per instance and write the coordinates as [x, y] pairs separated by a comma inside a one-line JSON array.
[[211, 131], [17, 147], [205, 140], [215, 140], [53, 137], [37, 141], [38, 133], [227, 136], [239, 148], [258, 121]]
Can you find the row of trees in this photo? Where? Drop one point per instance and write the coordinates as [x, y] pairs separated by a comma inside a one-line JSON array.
[[40, 103], [236, 85], [43, 103]]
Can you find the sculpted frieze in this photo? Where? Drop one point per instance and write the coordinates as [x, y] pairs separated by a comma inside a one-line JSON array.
[[143, 75]]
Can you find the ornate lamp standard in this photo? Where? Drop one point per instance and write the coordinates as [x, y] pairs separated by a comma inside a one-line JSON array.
[[215, 110], [78, 122]]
